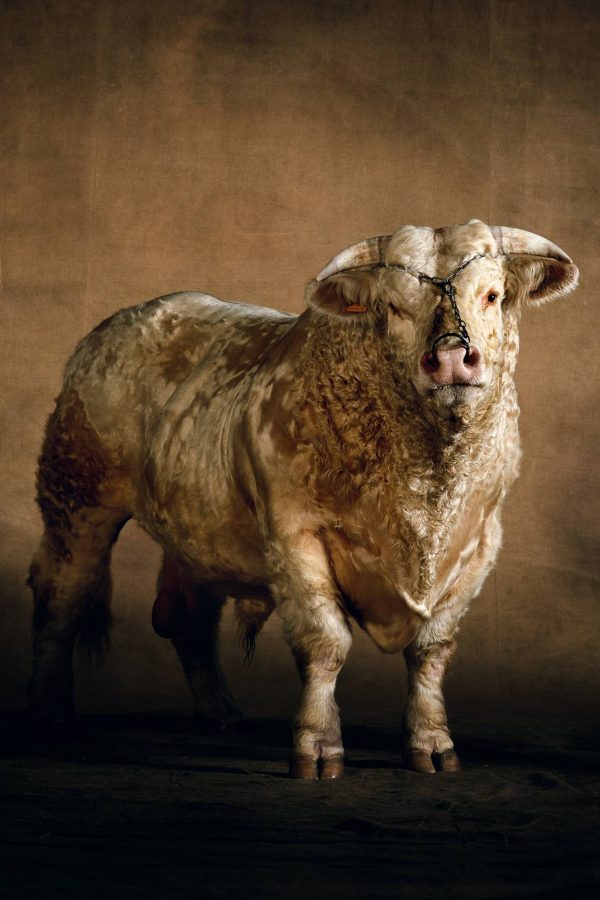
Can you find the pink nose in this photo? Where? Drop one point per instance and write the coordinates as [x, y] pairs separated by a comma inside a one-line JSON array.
[[455, 366]]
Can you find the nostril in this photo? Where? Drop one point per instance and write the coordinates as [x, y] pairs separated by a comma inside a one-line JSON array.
[[472, 357], [430, 362], [459, 365]]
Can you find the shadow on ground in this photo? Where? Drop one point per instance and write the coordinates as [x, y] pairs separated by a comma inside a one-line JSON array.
[[147, 806]]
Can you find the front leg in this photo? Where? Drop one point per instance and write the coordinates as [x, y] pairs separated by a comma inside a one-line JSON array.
[[319, 635], [426, 736], [427, 741], [318, 748]]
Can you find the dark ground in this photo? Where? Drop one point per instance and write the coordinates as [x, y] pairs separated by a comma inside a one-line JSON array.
[[144, 807]]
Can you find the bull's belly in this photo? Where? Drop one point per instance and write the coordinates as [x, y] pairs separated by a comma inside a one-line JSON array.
[[226, 554]]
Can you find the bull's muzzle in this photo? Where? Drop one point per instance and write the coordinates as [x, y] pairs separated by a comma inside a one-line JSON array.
[[454, 365]]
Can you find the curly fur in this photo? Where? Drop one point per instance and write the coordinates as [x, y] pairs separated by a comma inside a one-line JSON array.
[[305, 463]]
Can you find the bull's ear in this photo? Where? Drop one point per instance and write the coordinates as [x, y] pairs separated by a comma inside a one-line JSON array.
[[538, 270], [348, 295], [539, 279]]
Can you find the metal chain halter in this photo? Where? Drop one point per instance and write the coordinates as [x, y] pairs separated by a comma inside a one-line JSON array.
[[448, 289]]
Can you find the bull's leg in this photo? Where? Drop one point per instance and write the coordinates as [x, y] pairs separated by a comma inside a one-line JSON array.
[[427, 741], [319, 635], [71, 584], [190, 614], [426, 735], [320, 640], [214, 705], [84, 501]]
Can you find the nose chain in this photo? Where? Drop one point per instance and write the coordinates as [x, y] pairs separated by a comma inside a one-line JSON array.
[[448, 289]]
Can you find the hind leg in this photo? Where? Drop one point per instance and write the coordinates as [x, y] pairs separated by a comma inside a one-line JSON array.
[[71, 584], [214, 705], [190, 614], [83, 500]]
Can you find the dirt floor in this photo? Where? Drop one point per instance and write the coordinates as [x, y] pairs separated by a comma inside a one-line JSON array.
[[143, 806]]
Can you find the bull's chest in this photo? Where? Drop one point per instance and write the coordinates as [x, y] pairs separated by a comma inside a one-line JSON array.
[[392, 581]]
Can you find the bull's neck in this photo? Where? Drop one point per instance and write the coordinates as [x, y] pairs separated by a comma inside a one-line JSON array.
[[368, 420]]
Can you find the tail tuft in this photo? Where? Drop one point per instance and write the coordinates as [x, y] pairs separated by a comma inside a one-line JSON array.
[[252, 613], [249, 643]]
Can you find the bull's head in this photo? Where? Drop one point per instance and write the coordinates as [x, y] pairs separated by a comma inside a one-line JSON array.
[[446, 300]]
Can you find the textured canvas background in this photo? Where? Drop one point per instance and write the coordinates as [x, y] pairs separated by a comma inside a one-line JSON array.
[[234, 147]]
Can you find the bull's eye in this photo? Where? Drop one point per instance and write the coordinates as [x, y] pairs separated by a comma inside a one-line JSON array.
[[492, 297]]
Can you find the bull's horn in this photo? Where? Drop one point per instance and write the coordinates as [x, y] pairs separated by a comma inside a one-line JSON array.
[[515, 241], [370, 252]]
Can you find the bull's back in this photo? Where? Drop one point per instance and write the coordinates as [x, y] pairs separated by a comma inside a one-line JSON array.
[[125, 371]]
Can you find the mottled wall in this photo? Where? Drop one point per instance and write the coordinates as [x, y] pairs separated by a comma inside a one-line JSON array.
[[234, 147]]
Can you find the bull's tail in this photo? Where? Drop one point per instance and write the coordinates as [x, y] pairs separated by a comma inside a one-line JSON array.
[[252, 613]]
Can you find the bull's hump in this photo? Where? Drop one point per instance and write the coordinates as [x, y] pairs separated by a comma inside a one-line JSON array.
[[206, 306], [180, 332]]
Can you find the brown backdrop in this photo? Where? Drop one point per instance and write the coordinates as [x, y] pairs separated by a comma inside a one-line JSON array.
[[234, 147]]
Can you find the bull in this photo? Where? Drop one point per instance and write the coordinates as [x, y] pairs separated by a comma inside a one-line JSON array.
[[345, 465]]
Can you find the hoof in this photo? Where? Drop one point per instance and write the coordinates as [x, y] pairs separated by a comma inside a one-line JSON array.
[[302, 766], [447, 761], [429, 764], [332, 767], [419, 761]]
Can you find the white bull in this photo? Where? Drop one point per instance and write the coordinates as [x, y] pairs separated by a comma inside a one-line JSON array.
[[347, 463]]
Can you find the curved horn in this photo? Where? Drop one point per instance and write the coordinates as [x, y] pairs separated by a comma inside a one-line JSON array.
[[370, 252], [515, 241]]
